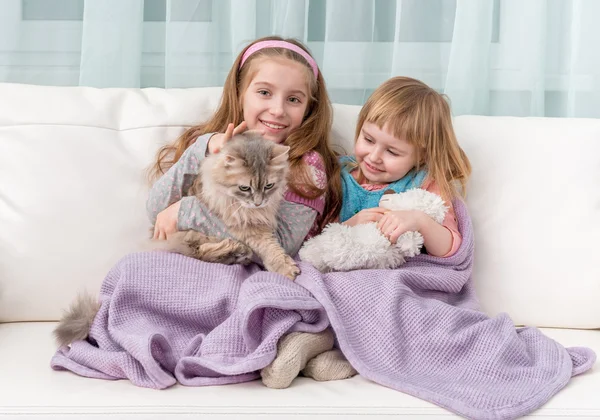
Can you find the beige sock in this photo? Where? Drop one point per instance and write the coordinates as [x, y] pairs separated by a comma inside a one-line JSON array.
[[293, 352], [329, 366]]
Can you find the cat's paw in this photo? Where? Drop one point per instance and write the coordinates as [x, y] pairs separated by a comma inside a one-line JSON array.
[[288, 268], [243, 255], [236, 253]]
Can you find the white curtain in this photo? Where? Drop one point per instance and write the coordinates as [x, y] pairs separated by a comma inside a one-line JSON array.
[[491, 57]]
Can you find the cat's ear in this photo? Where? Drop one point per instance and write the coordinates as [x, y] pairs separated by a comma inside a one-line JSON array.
[[229, 160], [280, 154]]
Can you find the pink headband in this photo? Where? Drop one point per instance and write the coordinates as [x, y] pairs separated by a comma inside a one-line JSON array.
[[280, 44]]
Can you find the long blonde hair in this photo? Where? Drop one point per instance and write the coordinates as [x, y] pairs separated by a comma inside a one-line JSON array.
[[422, 116], [312, 135]]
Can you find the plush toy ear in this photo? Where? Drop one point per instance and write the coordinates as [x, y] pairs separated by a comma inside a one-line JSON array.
[[386, 200]]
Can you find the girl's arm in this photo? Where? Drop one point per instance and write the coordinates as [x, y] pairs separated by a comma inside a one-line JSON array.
[[295, 218], [176, 182], [437, 238], [449, 223], [294, 222], [440, 240]]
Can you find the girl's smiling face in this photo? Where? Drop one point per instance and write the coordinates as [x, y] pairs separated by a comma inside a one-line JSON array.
[[276, 98], [382, 157]]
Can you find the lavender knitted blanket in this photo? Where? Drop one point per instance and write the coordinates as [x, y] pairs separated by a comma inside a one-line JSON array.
[[166, 318]]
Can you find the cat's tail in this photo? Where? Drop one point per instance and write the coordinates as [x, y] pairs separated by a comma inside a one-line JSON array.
[[77, 320]]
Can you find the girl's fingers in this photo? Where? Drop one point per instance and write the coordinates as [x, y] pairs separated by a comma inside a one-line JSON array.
[[388, 228], [160, 234], [395, 235], [229, 131], [376, 217], [382, 217], [155, 236], [243, 126]]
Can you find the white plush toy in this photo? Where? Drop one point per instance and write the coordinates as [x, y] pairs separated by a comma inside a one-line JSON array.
[[343, 248]]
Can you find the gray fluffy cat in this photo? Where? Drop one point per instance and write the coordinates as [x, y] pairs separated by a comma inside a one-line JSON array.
[[243, 185]]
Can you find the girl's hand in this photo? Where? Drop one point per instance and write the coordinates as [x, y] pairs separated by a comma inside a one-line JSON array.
[[166, 221], [366, 216], [217, 141], [395, 223]]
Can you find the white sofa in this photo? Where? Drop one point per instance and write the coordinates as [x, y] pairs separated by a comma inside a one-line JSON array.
[[72, 194]]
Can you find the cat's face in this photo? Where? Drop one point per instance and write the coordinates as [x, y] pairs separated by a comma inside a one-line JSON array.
[[253, 171]]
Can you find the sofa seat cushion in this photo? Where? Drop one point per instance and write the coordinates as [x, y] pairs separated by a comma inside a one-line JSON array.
[[30, 389]]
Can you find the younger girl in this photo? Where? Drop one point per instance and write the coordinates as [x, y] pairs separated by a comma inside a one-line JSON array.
[[274, 87], [404, 139]]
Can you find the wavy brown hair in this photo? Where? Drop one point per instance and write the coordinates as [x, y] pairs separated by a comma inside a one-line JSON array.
[[312, 135], [422, 116]]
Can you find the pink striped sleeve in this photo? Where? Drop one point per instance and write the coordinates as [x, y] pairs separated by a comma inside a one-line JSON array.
[[449, 222], [316, 168]]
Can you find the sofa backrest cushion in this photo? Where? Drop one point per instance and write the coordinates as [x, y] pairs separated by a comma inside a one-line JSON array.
[[73, 190]]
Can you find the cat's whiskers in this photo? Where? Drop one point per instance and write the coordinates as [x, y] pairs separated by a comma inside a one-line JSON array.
[[236, 210], [232, 202]]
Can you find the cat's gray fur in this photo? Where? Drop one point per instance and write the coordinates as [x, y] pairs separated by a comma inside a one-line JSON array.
[[77, 320], [243, 186]]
